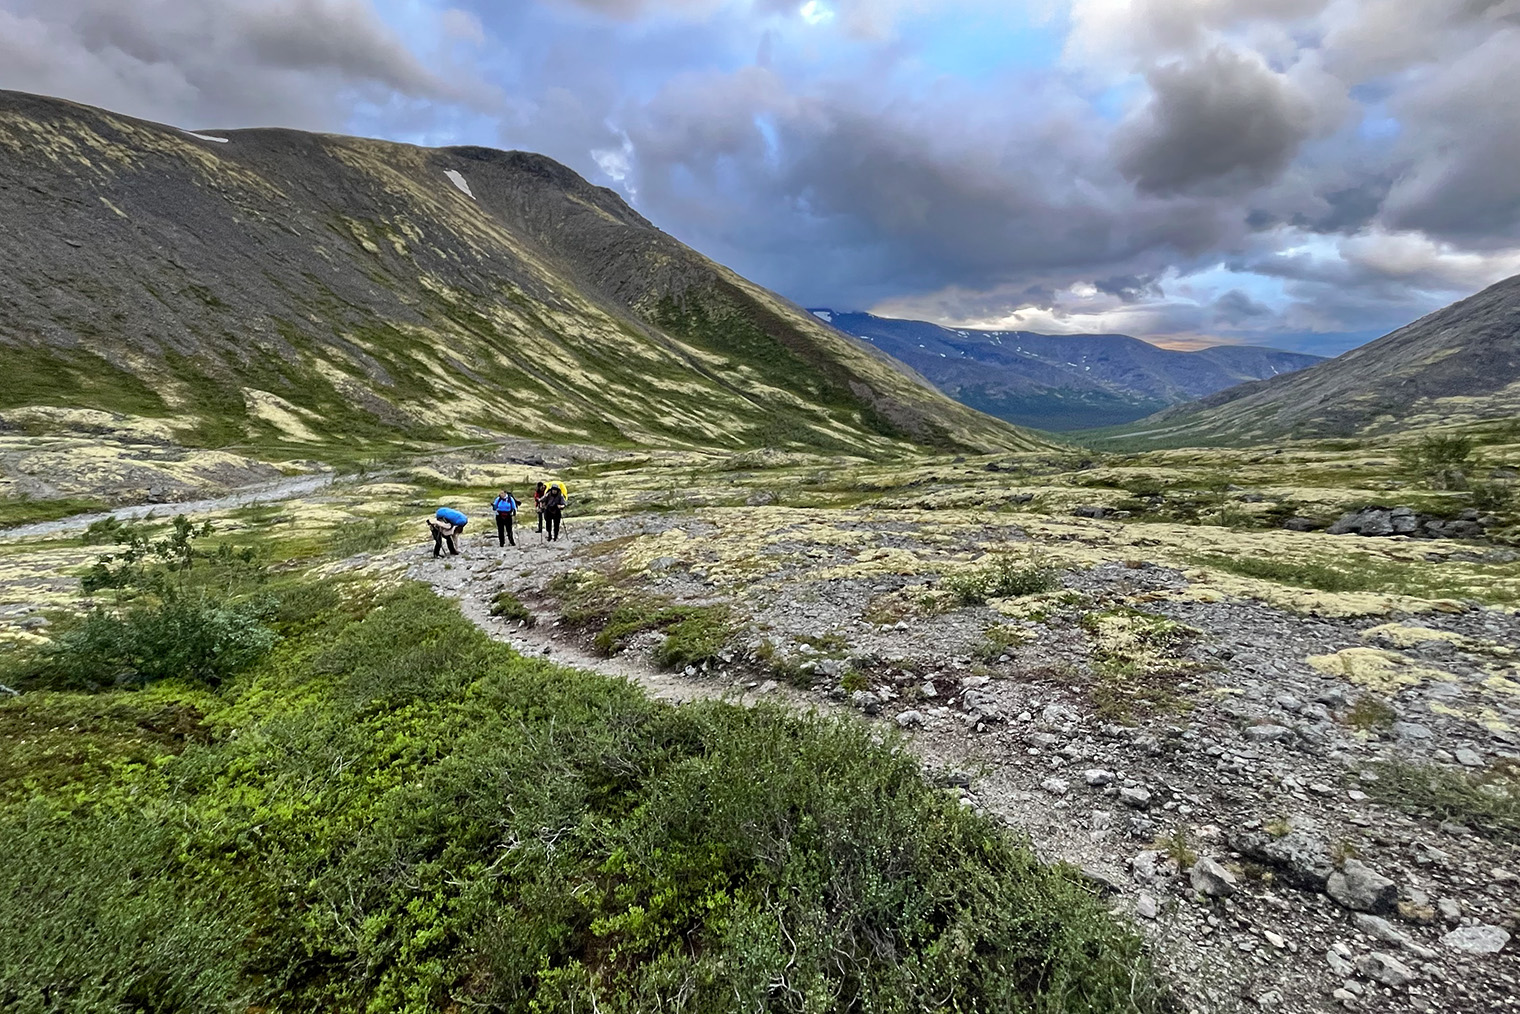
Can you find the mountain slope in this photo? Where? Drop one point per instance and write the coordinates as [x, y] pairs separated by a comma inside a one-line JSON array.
[[1461, 362], [279, 289], [1062, 382]]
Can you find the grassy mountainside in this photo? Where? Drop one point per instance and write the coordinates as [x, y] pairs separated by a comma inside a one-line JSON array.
[[1461, 363], [272, 289], [1062, 382]]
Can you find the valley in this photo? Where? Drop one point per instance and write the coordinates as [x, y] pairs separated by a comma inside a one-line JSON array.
[[1125, 657], [838, 694]]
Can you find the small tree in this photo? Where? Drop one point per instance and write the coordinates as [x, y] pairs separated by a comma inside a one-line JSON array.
[[1441, 460], [177, 611]]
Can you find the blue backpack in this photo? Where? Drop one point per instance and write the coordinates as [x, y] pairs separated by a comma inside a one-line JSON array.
[[505, 504], [452, 516]]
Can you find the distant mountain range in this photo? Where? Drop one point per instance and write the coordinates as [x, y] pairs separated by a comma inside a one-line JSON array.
[[313, 295], [1458, 364], [1062, 382]]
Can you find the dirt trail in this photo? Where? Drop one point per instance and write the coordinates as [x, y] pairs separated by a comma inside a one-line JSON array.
[[1256, 754], [285, 489]]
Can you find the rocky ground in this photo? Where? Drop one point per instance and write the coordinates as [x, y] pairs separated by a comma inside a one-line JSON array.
[[1210, 760], [1139, 662]]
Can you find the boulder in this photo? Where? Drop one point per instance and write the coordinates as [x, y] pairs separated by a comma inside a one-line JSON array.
[[1476, 939], [1362, 889], [1138, 799], [1298, 857], [1211, 879]]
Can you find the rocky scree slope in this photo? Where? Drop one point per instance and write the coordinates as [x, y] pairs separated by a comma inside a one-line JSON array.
[[1062, 382], [278, 288], [1461, 362]]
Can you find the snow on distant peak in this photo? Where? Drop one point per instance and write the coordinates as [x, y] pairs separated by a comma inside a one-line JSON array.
[[208, 137], [824, 315], [457, 178]]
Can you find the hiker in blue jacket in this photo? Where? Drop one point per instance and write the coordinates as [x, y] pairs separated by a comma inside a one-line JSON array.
[[505, 507], [446, 525]]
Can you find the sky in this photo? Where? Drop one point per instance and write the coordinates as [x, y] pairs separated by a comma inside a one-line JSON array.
[[1307, 174]]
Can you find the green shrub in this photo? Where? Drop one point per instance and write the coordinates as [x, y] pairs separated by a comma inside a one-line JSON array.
[[694, 637], [1487, 800], [1007, 577], [193, 640], [1441, 460], [1496, 497], [1370, 713], [509, 607], [180, 612], [411, 817]]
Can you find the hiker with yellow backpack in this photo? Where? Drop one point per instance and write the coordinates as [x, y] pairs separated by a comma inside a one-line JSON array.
[[551, 507]]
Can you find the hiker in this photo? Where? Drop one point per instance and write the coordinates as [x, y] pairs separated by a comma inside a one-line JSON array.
[[446, 526], [553, 505], [538, 502], [505, 507]]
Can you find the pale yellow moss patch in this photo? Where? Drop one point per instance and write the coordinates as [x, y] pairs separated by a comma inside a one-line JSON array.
[[279, 413], [1502, 685], [1374, 669], [1402, 635]]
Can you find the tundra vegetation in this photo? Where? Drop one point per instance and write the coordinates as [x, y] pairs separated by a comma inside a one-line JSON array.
[[252, 765]]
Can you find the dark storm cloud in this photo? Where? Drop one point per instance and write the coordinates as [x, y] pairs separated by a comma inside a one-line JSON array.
[[298, 63], [1340, 156], [1463, 183], [1224, 122], [1236, 308]]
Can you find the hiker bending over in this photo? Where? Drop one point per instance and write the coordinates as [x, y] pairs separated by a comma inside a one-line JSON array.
[[447, 525], [538, 503], [505, 507], [553, 504]]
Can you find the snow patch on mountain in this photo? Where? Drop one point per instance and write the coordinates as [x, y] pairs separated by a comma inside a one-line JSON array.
[[457, 178]]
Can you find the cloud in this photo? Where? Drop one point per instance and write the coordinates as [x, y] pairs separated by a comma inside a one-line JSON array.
[[300, 63], [1224, 122]]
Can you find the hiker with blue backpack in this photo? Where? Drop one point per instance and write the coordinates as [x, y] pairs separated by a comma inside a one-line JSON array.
[[505, 507], [446, 526]]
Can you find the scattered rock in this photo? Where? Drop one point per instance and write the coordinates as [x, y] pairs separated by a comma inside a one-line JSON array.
[[1338, 957], [1381, 929], [1476, 939], [1097, 777], [1212, 879], [1385, 968], [1267, 733], [866, 701], [1362, 889], [1138, 799], [1450, 909], [1056, 786], [1298, 857], [910, 719], [1411, 731], [1146, 908]]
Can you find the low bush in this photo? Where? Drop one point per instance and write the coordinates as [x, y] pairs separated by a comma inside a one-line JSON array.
[[174, 611], [1487, 801], [1007, 577], [509, 607], [192, 639], [400, 815]]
